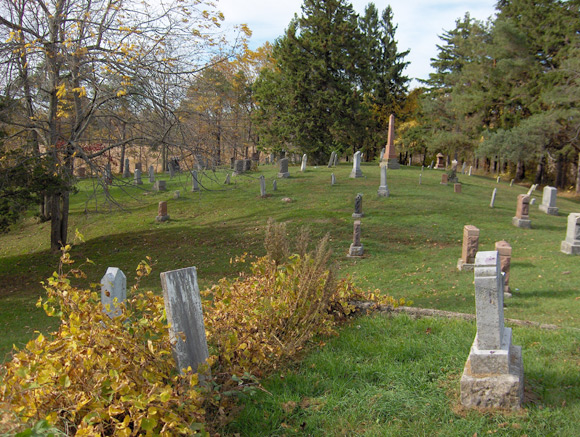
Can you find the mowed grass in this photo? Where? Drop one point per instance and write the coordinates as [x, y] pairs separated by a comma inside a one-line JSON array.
[[382, 376]]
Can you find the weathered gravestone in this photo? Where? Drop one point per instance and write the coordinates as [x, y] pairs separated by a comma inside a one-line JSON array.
[[81, 172], [283, 172], [185, 318], [126, 169], [469, 249], [331, 160], [444, 179], [108, 174], [390, 157], [274, 185], [162, 215], [356, 248], [383, 188], [113, 291], [493, 376], [171, 169], [137, 179], [139, 166], [497, 180], [532, 201], [420, 176], [227, 179], [493, 195], [332, 179], [382, 155], [356, 171], [454, 164], [160, 186], [457, 188], [303, 165], [571, 245], [512, 183], [151, 174], [504, 249], [549, 201], [194, 182], [238, 167], [358, 206], [463, 166], [522, 217], [262, 186], [247, 164], [440, 161], [470, 168], [335, 159]]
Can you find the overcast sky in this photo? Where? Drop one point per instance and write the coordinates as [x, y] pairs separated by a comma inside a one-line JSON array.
[[420, 22]]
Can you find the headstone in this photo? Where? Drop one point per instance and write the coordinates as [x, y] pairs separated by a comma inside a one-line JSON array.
[[335, 159], [440, 161], [113, 291], [358, 206], [512, 183], [549, 201], [420, 176], [171, 169], [331, 160], [409, 162], [227, 179], [382, 155], [159, 186], [457, 188], [162, 215], [504, 249], [571, 245], [493, 194], [470, 167], [176, 194], [194, 181], [422, 168], [238, 166], [463, 167], [139, 166], [275, 185], [81, 172], [432, 164], [356, 248], [232, 161], [522, 217], [247, 164], [533, 201], [185, 318], [304, 160], [454, 164], [199, 162], [137, 179], [356, 171], [383, 188], [493, 376], [332, 179], [469, 249], [444, 179], [108, 174], [498, 179], [262, 186], [151, 174], [532, 188], [126, 169], [283, 173], [390, 157]]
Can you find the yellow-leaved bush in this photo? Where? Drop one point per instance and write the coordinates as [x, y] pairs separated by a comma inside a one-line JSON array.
[[102, 376]]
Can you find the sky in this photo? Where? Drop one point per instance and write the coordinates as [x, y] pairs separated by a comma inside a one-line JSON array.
[[419, 22]]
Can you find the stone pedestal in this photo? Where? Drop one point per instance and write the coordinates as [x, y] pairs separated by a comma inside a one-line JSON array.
[[383, 188], [493, 376], [571, 245], [358, 213], [356, 248]]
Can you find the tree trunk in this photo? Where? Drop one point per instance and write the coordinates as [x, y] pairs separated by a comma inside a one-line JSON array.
[[122, 164], [539, 172], [520, 171], [578, 176], [560, 178], [59, 203]]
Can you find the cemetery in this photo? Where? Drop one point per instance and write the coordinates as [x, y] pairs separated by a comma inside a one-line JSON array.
[[412, 240]]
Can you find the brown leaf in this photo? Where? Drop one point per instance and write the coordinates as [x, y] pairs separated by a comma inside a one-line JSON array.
[[289, 406]]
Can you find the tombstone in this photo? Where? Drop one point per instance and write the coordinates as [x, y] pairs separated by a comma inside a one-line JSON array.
[[422, 168], [238, 167], [176, 194], [420, 176], [444, 179], [470, 168], [159, 186], [335, 163], [432, 164], [522, 217], [409, 162], [199, 162], [463, 168], [497, 180], [227, 179], [113, 291], [151, 174], [283, 172], [262, 186], [440, 161], [108, 174], [457, 188], [493, 376], [275, 185], [454, 164], [512, 183], [332, 179], [331, 160], [162, 215], [194, 181], [383, 188], [532, 188], [469, 249], [504, 249], [272, 158], [390, 157], [382, 155], [549, 201], [493, 194], [137, 177], [247, 164], [356, 171], [171, 170], [81, 172], [303, 166], [356, 248], [139, 166], [533, 201], [126, 169], [571, 245], [358, 206], [185, 318]]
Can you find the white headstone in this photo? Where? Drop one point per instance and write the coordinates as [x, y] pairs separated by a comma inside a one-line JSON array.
[[137, 177], [549, 201], [274, 185], [383, 188], [492, 203], [332, 179], [151, 174], [262, 186], [470, 167], [356, 171], [113, 291], [571, 245], [304, 160]]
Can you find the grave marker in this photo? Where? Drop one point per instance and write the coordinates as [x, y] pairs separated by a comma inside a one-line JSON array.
[[331, 160], [356, 171], [262, 186], [571, 245], [113, 291], [522, 217], [469, 248], [137, 178], [493, 194], [356, 249], [162, 215], [440, 161], [227, 179], [283, 173], [444, 179], [303, 165], [126, 169], [194, 182], [549, 201], [383, 188], [160, 186], [457, 188], [275, 185], [390, 158], [238, 167], [151, 174], [358, 206], [504, 249], [332, 179]]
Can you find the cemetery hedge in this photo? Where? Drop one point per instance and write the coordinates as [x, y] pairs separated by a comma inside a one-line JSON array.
[[412, 241]]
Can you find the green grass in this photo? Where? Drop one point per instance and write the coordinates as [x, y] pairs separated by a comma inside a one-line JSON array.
[[387, 377]]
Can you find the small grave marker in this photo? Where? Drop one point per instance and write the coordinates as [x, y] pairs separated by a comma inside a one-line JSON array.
[[469, 248], [571, 245], [194, 182], [162, 215], [522, 217], [383, 188], [356, 171], [113, 291], [283, 172], [549, 201], [358, 206], [493, 194], [356, 248]]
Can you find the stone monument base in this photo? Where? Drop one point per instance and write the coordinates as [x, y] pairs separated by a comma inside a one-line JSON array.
[[494, 390], [570, 248], [463, 266], [356, 174], [284, 175], [383, 192], [521, 223], [355, 251], [161, 218], [391, 163], [552, 210]]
